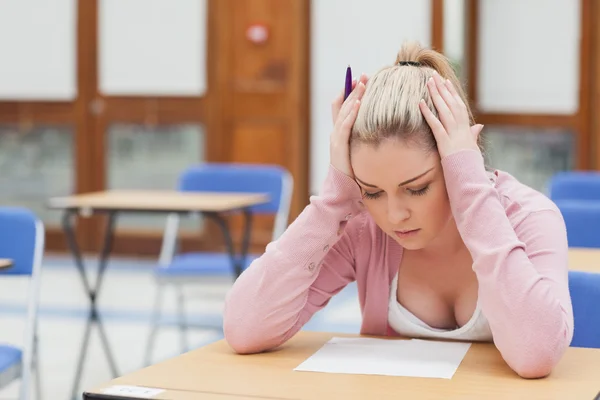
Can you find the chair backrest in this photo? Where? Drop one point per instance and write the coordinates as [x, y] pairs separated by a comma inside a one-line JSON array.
[[582, 219], [585, 296], [575, 185], [273, 180], [21, 240]]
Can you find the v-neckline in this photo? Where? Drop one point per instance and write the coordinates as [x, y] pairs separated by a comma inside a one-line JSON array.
[[396, 255], [424, 325]]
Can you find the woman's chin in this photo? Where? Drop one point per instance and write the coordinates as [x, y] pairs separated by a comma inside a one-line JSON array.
[[409, 243], [411, 246]]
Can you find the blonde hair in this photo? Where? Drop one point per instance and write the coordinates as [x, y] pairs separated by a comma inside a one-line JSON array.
[[390, 105]]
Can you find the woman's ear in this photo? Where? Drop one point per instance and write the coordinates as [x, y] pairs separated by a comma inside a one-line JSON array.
[[476, 130]]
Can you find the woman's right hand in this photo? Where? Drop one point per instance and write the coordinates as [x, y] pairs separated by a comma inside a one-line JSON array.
[[344, 114]]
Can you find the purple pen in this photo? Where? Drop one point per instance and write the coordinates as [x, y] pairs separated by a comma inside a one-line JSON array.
[[348, 88]]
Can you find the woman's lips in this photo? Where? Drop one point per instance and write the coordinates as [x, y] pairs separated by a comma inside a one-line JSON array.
[[403, 234]]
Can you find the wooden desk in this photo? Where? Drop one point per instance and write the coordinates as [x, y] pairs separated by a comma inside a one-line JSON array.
[[115, 202], [5, 263], [215, 372], [587, 260], [157, 201]]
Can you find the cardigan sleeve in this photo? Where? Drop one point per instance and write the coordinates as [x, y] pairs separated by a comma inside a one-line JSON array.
[[298, 274], [522, 270]]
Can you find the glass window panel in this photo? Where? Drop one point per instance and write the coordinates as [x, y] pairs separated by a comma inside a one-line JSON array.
[[36, 164], [529, 56], [532, 155], [152, 158], [38, 47], [151, 47]]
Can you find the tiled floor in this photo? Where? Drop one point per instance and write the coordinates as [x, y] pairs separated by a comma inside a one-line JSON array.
[[125, 304]]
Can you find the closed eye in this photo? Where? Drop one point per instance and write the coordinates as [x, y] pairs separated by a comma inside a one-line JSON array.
[[419, 192], [371, 196]]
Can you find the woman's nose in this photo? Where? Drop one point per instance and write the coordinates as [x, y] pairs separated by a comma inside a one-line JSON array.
[[397, 213]]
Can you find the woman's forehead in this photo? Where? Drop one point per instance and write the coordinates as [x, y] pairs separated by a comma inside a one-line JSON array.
[[392, 159]]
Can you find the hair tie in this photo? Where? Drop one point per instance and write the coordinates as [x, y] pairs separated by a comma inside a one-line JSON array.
[[411, 63]]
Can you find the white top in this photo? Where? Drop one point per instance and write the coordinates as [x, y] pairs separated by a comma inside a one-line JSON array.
[[407, 324]]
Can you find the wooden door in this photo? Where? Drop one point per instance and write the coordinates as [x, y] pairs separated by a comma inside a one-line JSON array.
[[261, 90]]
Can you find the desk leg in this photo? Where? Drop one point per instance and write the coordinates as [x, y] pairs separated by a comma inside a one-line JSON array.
[[237, 262], [92, 292]]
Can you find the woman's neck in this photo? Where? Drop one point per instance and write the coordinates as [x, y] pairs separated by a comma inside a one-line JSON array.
[[448, 243]]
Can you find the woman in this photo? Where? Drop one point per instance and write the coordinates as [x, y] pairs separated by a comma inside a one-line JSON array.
[[439, 246]]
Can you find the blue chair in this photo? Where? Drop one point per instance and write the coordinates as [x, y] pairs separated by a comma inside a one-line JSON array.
[[575, 185], [22, 241], [585, 295], [582, 219], [177, 270]]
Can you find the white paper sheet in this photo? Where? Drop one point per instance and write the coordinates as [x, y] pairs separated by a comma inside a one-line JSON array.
[[369, 356]]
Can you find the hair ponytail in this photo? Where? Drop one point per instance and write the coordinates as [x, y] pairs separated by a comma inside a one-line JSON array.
[[417, 55], [390, 105]]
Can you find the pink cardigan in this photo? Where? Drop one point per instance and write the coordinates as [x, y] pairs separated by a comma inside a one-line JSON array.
[[516, 236]]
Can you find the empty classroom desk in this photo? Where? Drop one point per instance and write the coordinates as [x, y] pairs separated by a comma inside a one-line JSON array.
[[115, 202]]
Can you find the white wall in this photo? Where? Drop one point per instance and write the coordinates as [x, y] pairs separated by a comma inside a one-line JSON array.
[[529, 56], [365, 34]]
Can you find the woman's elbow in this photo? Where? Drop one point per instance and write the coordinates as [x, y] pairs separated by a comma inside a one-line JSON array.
[[538, 361], [246, 340], [533, 370], [241, 344], [246, 335], [243, 336], [252, 335]]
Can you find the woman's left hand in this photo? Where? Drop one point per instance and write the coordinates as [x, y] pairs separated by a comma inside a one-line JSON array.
[[452, 131]]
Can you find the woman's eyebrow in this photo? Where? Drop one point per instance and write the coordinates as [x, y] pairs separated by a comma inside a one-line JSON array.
[[364, 183], [406, 182]]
